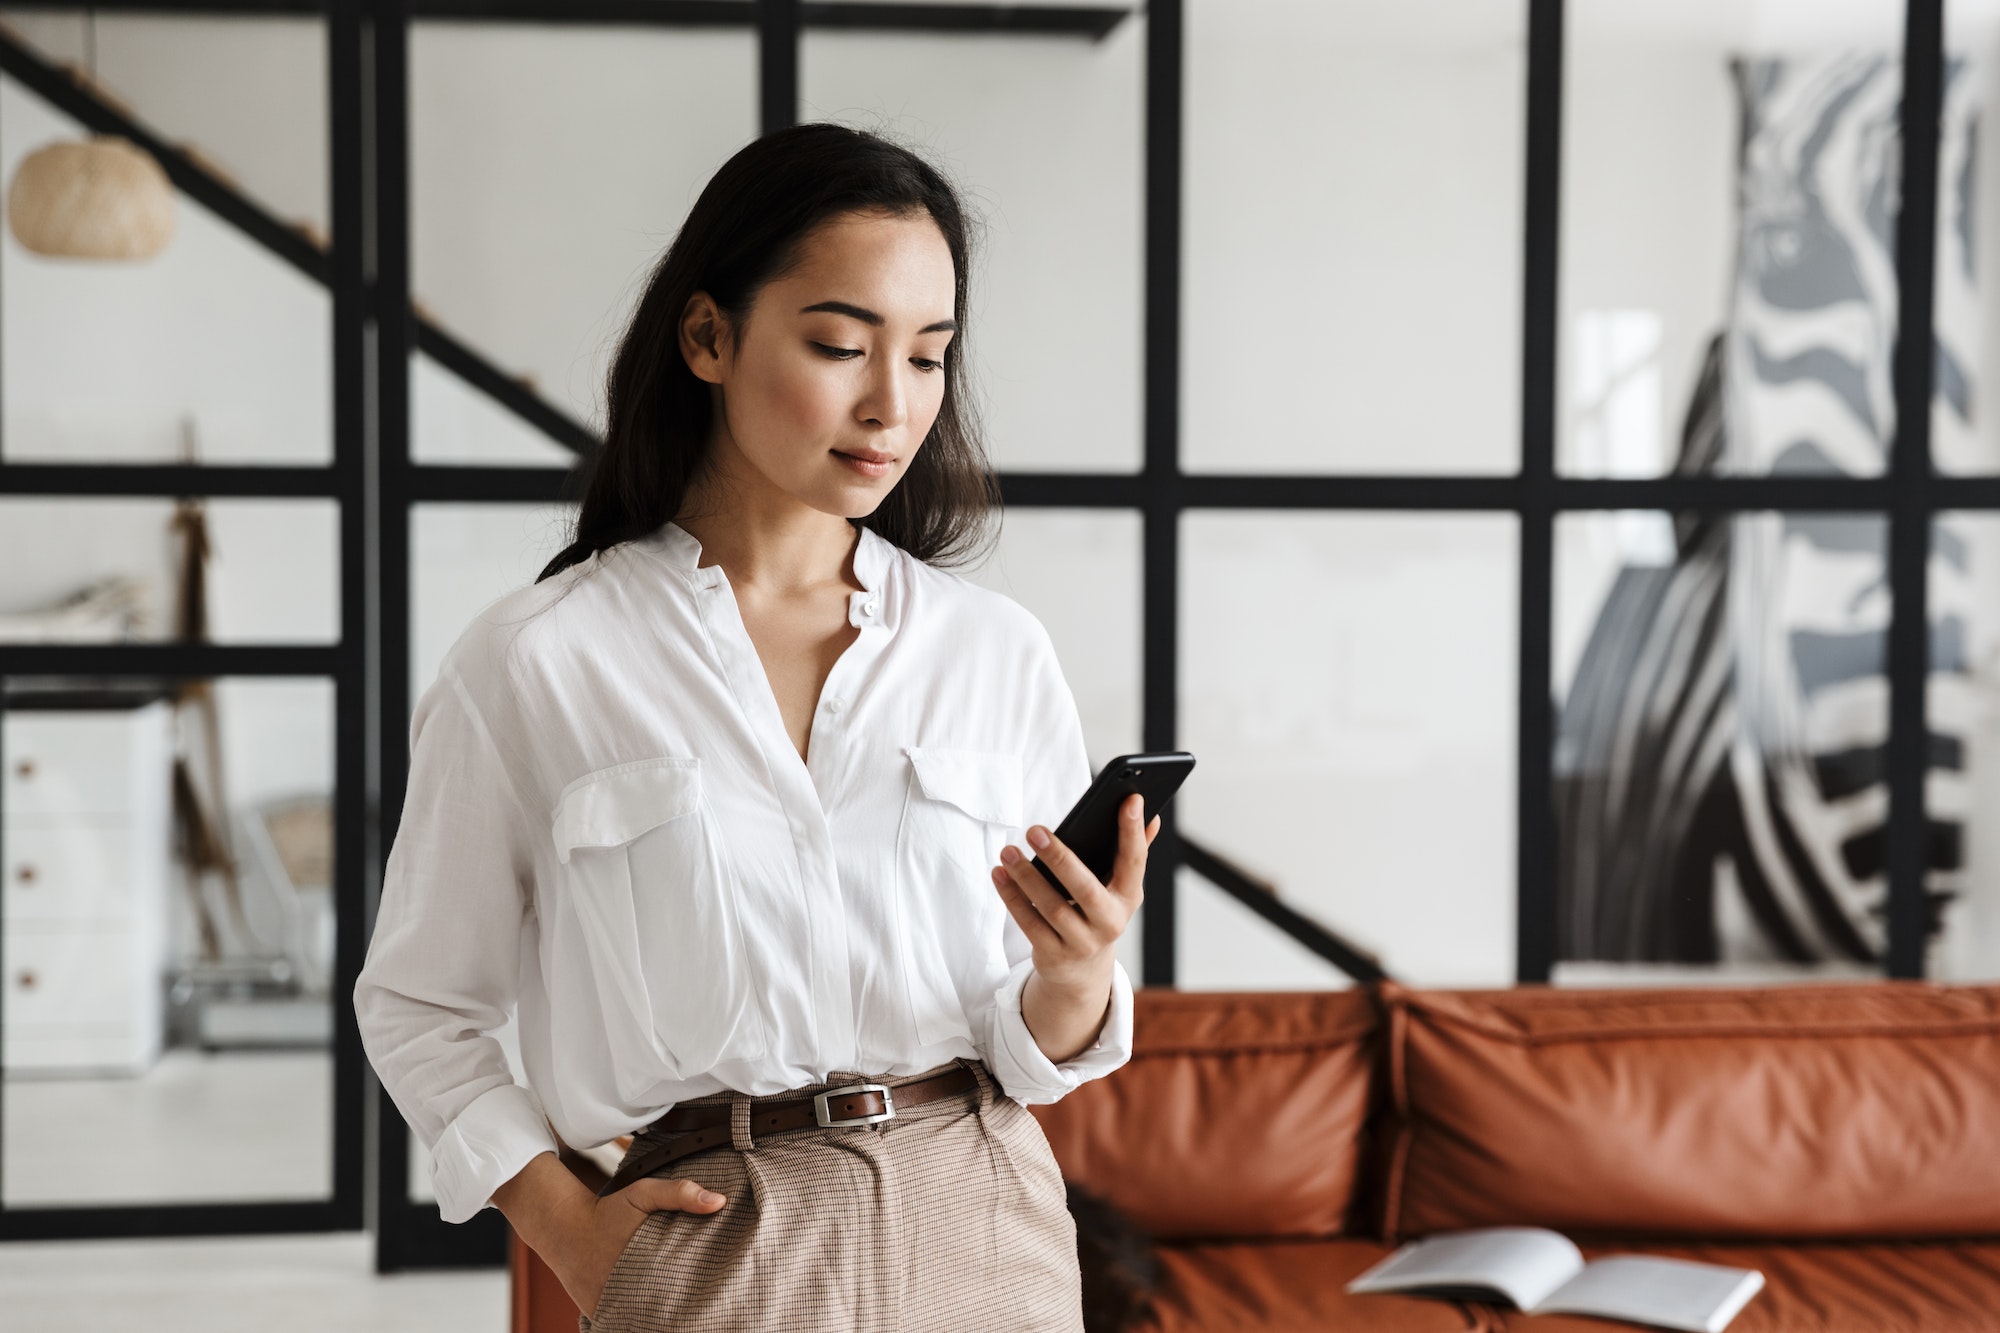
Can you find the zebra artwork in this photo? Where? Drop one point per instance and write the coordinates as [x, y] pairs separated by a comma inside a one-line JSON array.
[[1720, 771]]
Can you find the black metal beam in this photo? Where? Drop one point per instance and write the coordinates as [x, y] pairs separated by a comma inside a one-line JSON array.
[[169, 479], [777, 64], [494, 485], [169, 661], [1912, 368], [1262, 899], [594, 13], [1058, 490], [1535, 835], [353, 786], [173, 1219], [1096, 23], [1092, 21], [1159, 490]]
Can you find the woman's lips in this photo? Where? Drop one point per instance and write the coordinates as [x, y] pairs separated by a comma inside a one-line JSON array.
[[864, 466]]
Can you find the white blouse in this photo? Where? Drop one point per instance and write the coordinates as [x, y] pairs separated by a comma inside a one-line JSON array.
[[608, 825]]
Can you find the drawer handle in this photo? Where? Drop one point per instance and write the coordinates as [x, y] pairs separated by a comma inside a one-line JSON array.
[[26, 978], [25, 769], [27, 874]]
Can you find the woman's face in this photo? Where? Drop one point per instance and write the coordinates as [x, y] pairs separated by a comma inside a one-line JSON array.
[[837, 373]]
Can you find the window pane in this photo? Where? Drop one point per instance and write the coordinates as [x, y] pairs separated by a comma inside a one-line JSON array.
[[1723, 707], [549, 168], [1044, 137], [169, 1007], [100, 570], [1352, 282], [213, 349], [1727, 172], [1964, 779], [1964, 438], [1348, 688], [463, 557], [453, 423], [1078, 571]]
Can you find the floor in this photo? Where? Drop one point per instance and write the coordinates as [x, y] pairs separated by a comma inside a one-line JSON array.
[[195, 1126], [325, 1284]]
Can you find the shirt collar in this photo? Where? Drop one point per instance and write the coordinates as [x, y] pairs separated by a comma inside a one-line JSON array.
[[683, 550]]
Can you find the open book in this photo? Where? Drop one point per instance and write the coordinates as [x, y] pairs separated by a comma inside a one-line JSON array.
[[1541, 1272]]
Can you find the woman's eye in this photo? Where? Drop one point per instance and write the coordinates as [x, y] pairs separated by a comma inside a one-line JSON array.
[[926, 366], [838, 353]]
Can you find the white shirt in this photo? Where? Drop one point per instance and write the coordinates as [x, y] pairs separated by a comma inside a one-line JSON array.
[[608, 825]]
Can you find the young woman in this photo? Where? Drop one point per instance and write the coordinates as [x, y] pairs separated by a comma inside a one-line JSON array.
[[724, 803]]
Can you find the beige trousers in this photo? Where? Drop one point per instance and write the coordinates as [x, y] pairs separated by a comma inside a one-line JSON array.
[[948, 1218]]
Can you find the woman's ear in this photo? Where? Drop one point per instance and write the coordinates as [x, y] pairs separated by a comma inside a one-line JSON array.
[[701, 337]]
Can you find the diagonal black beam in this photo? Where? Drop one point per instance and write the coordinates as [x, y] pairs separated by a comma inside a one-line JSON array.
[[1263, 899]]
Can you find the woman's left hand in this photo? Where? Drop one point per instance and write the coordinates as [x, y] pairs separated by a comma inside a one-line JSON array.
[[1073, 942]]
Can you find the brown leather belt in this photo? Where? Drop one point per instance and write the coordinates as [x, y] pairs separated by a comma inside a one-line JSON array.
[[706, 1125]]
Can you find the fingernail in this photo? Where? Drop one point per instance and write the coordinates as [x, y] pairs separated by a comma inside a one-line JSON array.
[[1039, 838], [710, 1196], [1132, 808]]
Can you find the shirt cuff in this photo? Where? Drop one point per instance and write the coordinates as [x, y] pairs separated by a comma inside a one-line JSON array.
[[497, 1134], [1025, 1071]]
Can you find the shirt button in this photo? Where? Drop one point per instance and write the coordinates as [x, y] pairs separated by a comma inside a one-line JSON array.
[[833, 705], [868, 607]]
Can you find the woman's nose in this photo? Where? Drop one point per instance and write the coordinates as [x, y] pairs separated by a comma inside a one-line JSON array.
[[885, 405]]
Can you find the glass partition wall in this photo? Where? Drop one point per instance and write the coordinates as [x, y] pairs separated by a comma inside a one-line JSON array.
[[1447, 404]]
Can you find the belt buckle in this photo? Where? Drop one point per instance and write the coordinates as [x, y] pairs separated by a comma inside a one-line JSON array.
[[820, 1112]]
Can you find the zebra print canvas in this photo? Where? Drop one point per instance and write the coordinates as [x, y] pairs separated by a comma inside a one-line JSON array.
[[1720, 770]]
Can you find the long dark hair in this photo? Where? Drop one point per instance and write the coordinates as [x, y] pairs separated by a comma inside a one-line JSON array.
[[746, 229]]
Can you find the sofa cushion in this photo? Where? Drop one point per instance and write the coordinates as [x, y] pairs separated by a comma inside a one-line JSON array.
[[1914, 1287], [1294, 1287], [1237, 1115], [1830, 1112]]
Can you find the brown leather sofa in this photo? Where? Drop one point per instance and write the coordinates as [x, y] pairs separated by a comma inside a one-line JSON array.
[[1844, 1139]]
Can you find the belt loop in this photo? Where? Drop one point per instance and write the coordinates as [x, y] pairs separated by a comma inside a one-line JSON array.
[[986, 1085], [739, 1123]]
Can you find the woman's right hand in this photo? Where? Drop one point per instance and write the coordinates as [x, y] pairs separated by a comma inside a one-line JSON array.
[[580, 1236], [610, 1226]]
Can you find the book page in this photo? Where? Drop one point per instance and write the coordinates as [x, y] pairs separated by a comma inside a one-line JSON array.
[[1523, 1264], [1667, 1293]]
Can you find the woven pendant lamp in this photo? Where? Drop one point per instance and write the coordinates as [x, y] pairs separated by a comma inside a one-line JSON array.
[[103, 198]]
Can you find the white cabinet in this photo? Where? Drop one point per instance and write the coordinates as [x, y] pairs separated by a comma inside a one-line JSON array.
[[85, 843]]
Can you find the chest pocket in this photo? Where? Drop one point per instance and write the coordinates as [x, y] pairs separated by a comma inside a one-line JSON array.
[[656, 902], [959, 807]]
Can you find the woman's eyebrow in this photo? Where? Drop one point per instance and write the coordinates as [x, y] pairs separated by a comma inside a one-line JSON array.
[[870, 317]]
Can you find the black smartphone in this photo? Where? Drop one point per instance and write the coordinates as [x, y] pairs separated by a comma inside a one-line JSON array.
[[1090, 829]]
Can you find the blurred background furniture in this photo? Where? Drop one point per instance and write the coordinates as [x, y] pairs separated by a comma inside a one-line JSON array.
[[86, 840]]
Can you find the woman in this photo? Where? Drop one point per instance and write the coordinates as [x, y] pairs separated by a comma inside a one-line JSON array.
[[724, 802]]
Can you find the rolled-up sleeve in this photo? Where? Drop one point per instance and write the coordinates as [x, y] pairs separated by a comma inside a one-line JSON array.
[[443, 965], [1055, 771]]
